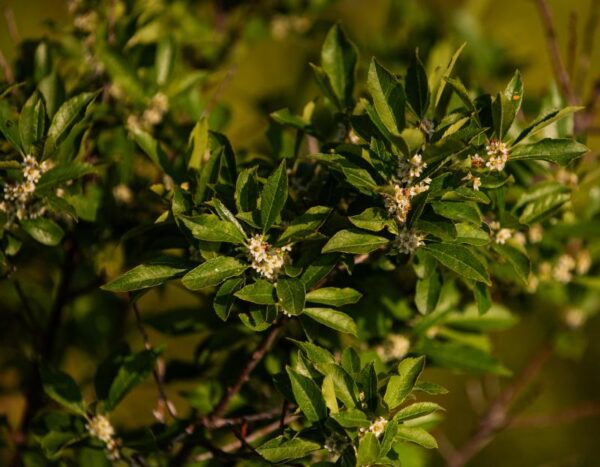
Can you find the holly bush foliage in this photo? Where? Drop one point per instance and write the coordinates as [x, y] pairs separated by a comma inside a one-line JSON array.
[[385, 238]]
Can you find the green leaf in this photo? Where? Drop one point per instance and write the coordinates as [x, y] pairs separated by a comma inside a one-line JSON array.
[[459, 259], [8, 125], [561, 151], [317, 269], [517, 259], [315, 353], [213, 272], [389, 437], [151, 148], [291, 294], [198, 141], [223, 301], [308, 396], [458, 211], [334, 296], [44, 230], [338, 59], [461, 91], [344, 386], [352, 418], [165, 60], [246, 190], [122, 73], [546, 119], [495, 319], [427, 293], [281, 449], [63, 173], [274, 196], [260, 292], [304, 225], [514, 92], [151, 274], [503, 115], [328, 391], [433, 389], [388, 97], [332, 318], [65, 118], [134, 369], [368, 449], [458, 356], [32, 123], [374, 220], [417, 88], [209, 228], [416, 410], [63, 389], [416, 435], [400, 386], [354, 241], [543, 207]]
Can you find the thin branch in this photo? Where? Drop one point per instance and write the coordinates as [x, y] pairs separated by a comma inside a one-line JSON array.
[[497, 416], [560, 73], [6, 69], [244, 375], [572, 44], [572, 414], [257, 434], [234, 421], [163, 400], [13, 30], [587, 46]]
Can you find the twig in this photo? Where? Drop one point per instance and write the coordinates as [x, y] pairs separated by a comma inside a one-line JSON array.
[[257, 434], [497, 416], [13, 30], [585, 410], [259, 417], [214, 99], [572, 45], [6, 69], [111, 22], [163, 400], [587, 46], [244, 375], [560, 73]]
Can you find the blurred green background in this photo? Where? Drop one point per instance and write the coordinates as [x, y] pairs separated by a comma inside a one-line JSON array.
[[272, 71]]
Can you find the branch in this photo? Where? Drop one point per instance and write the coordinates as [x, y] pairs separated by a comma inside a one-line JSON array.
[[497, 416], [244, 375], [560, 72], [585, 410], [163, 400], [587, 46], [231, 447]]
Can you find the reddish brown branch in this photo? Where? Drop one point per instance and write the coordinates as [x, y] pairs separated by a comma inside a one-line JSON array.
[[572, 414], [497, 417]]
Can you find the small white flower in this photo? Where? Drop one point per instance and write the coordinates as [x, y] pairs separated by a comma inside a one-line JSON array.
[[476, 181], [477, 162], [536, 233], [498, 155], [266, 259], [123, 194], [395, 347], [411, 169], [101, 428], [583, 262], [563, 269], [378, 426], [409, 240], [575, 318]]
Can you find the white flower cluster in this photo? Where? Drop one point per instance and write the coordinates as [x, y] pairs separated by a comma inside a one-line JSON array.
[[499, 235], [377, 427], [565, 267], [408, 240], [395, 347], [159, 106], [18, 196], [100, 427], [498, 155], [266, 259], [398, 204]]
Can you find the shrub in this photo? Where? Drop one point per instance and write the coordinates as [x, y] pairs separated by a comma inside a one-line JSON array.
[[392, 232]]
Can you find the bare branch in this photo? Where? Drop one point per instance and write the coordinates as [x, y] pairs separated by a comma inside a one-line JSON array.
[[572, 45], [572, 414], [560, 73], [497, 416], [587, 46]]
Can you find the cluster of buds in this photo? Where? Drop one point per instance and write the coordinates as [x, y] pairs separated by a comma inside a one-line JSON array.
[[266, 259], [100, 427], [566, 266], [18, 197], [398, 204], [159, 106], [377, 427], [497, 155], [395, 347], [499, 234], [408, 240], [335, 445], [283, 25]]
